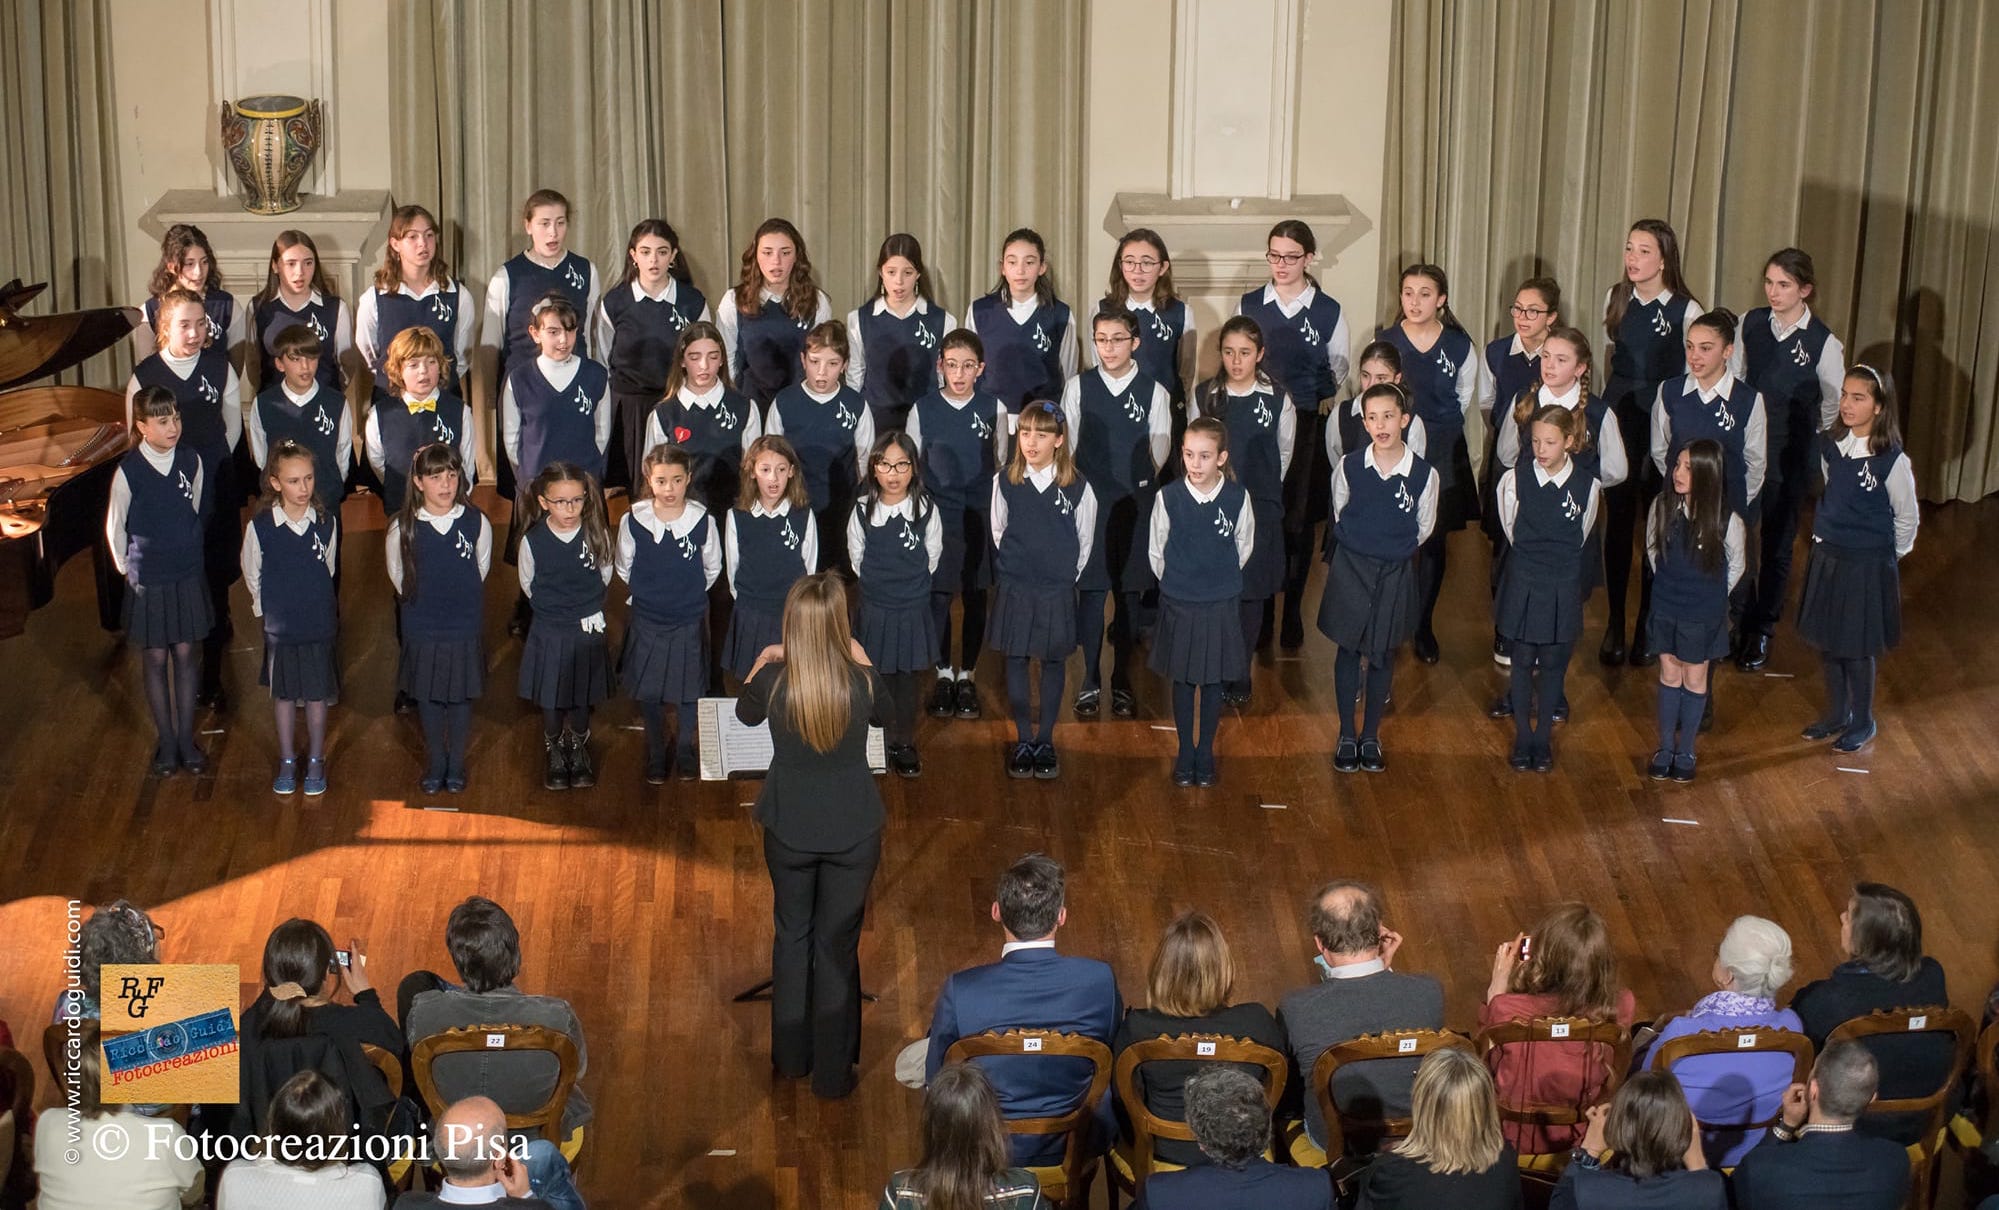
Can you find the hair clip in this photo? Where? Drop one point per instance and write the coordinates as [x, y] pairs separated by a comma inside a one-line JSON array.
[[543, 305]]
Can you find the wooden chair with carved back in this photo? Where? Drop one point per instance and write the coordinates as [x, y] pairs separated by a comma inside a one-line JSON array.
[[1131, 1163], [544, 1119], [1608, 1058], [1934, 1106], [1344, 1125], [1066, 1184], [1737, 1043]]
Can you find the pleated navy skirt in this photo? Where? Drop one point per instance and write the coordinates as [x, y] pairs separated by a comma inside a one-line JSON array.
[[1370, 605], [1033, 621], [751, 629], [1263, 575], [898, 638], [161, 615], [300, 672], [563, 666], [664, 663], [1851, 606], [443, 670], [1530, 609], [1690, 641], [1198, 642]]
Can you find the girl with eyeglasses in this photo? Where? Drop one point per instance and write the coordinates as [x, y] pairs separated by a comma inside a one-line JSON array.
[[1142, 283], [1511, 365], [895, 536], [566, 560]]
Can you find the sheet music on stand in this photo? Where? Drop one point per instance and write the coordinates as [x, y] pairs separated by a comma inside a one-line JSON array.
[[729, 749]]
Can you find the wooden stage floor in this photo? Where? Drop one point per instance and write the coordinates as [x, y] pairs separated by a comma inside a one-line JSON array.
[[648, 907]]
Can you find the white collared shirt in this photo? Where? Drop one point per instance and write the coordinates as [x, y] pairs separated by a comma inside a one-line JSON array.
[[643, 516], [253, 551], [808, 547], [1506, 496], [441, 522], [471, 1195], [1755, 429], [1900, 484], [1159, 531], [1426, 504], [119, 508], [753, 425], [1045, 943], [1734, 540], [877, 515], [374, 348], [1353, 970], [1043, 480]]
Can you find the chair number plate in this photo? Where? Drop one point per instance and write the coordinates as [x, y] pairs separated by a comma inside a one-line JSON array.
[[1405, 1046], [1745, 1041], [1919, 1022], [496, 1041], [1030, 1043], [1204, 1049], [1559, 1030]]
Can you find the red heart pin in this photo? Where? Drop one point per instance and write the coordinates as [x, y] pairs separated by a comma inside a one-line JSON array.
[[682, 434]]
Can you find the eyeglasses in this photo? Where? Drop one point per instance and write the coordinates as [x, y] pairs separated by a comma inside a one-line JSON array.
[[564, 502], [1284, 258], [1529, 312], [899, 467], [1141, 264], [1111, 338]]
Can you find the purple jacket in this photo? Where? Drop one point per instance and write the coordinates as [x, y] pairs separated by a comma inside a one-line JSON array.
[[1730, 1088]]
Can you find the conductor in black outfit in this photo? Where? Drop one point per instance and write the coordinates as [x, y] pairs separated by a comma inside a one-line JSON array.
[[822, 821]]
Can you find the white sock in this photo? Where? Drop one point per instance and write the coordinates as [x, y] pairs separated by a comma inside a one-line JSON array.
[[946, 674]]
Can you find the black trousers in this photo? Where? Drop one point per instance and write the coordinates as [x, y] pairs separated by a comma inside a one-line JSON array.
[[817, 900]]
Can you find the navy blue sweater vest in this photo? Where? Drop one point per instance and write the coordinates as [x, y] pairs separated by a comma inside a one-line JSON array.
[[1589, 461], [558, 426], [1158, 350], [770, 554], [901, 356], [396, 313], [220, 305], [1649, 348], [1254, 455], [1382, 516], [444, 592], [316, 426], [1548, 529], [1512, 373], [1296, 345], [1681, 588], [1855, 512], [527, 284], [272, 316], [769, 341], [1201, 560], [958, 450], [1023, 360], [669, 582], [645, 336], [1785, 373], [404, 432], [163, 526], [568, 583], [200, 398], [1725, 420], [296, 584], [823, 436], [1432, 379], [1114, 436], [714, 437], [1041, 545], [895, 564]]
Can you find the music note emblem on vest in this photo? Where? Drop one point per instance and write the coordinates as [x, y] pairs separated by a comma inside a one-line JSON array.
[[440, 309], [1661, 326], [584, 404], [909, 541], [1062, 504], [1868, 480], [214, 330], [1132, 411], [1799, 356], [845, 417], [185, 484], [675, 319], [789, 538], [206, 390], [980, 428], [573, 276], [1571, 511], [925, 337], [1160, 331], [1305, 328], [318, 548], [1443, 360], [1403, 500], [1223, 526], [1262, 413], [723, 416], [1040, 338], [445, 433], [322, 421], [1722, 416], [465, 549], [583, 554], [686, 544]]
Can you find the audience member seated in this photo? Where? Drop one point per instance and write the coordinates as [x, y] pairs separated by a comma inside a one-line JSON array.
[[295, 1026], [1231, 1123], [1655, 1160], [1570, 971], [1030, 987], [1753, 962], [964, 1164], [485, 948], [1455, 1154], [484, 1167], [1815, 1160], [309, 1120], [117, 933], [1357, 994], [142, 1176], [1881, 934], [1189, 984]]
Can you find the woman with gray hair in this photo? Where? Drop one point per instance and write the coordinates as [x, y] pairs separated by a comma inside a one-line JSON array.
[[1754, 961]]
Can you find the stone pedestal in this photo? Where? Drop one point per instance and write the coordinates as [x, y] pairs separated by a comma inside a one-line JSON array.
[[348, 227]]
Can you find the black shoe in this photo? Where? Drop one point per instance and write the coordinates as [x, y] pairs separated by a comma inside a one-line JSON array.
[[1642, 655], [165, 761], [1292, 637], [1371, 759], [430, 784], [1235, 693], [943, 698], [1611, 654], [1183, 770], [1544, 758], [455, 784], [556, 776], [1047, 766], [212, 700], [1501, 707], [1205, 775], [1661, 766], [1561, 711], [1346, 757], [656, 768], [1824, 729], [903, 759], [1853, 739], [405, 704], [1087, 703], [582, 774], [1020, 761], [523, 617], [1755, 653], [1683, 768], [1707, 715], [195, 761], [1522, 759], [1502, 652], [1123, 704], [1425, 647], [966, 695], [687, 764]]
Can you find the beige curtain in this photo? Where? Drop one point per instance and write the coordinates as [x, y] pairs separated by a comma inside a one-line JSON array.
[[853, 118], [1526, 137], [59, 206]]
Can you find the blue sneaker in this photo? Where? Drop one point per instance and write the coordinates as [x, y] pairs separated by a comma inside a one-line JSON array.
[[315, 777], [286, 781]]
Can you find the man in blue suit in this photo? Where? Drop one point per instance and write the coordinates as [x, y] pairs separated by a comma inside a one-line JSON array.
[[1030, 987], [1815, 1160], [1231, 1122]]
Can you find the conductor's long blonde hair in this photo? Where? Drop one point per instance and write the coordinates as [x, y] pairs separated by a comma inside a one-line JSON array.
[[819, 665]]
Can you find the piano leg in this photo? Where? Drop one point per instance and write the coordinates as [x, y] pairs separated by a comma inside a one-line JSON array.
[[110, 588]]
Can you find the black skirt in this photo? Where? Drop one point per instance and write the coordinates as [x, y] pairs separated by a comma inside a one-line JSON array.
[[1198, 642], [1308, 485], [966, 562], [1531, 609], [1457, 492], [301, 672], [898, 638], [751, 629], [564, 666], [1118, 561], [1851, 606], [443, 670], [662, 663], [1033, 621], [160, 615], [1263, 575], [1688, 641], [1370, 605]]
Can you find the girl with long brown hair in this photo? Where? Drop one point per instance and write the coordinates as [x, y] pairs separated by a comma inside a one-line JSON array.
[[764, 320], [414, 288]]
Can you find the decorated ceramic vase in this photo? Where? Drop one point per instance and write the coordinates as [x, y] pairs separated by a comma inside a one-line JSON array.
[[270, 141]]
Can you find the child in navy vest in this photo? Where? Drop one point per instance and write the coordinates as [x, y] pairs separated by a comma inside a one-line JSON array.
[[1262, 429], [291, 551], [1646, 317], [203, 383], [704, 414], [1710, 402], [1695, 546], [566, 559], [1044, 519], [770, 542], [439, 549], [413, 413], [1201, 534], [765, 318], [1512, 364], [962, 435], [670, 555], [1141, 282], [1789, 357], [1028, 337], [636, 333], [187, 262], [297, 406], [1384, 502], [1122, 421], [896, 537], [895, 336], [298, 292], [153, 526], [1305, 333], [1851, 606], [831, 428], [413, 289], [1547, 513]]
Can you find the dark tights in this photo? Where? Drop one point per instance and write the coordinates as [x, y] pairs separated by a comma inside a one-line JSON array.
[[1429, 580], [1849, 688], [1197, 748], [905, 691], [315, 729], [1090, 634], [1030, 728], [1531, 727], [578, 717], [447, 726], [172, 705], [972, 635], [1347, 688], [1249, 613], [654, 714], [1298, 552]]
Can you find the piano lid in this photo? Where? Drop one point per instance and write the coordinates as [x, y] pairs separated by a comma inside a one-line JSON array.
[[37, 346]]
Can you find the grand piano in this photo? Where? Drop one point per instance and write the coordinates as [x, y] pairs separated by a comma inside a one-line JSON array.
[[59, 446]]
